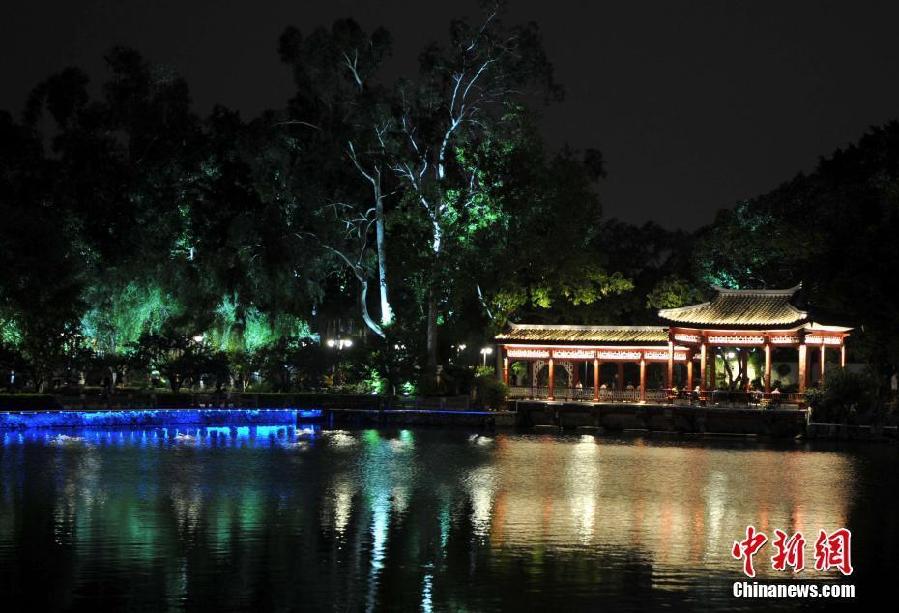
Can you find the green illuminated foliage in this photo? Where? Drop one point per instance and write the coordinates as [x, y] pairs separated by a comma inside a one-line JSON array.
[[593, 285], [10, 333], [137, 234], [118, 316], [375, 383], [672, 292]]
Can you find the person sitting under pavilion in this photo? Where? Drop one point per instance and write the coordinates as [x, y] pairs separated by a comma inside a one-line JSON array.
[[775, 395]]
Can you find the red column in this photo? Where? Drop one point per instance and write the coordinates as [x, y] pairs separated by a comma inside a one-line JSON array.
[[620, 376], [670, 365], [767, 368], [690, 370], [506, 370], [550, 395], [642, 378], [802, 365], [842, 355], [596, 364], [823, 360], [703, 366]]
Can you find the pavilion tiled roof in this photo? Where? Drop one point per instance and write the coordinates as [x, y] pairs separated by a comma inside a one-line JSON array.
[[741, 308], [534, 333]]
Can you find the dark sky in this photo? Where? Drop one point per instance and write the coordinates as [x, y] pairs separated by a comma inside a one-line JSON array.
[[695, 105]]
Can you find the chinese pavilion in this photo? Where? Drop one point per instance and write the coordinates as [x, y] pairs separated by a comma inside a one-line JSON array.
[[735, 323]]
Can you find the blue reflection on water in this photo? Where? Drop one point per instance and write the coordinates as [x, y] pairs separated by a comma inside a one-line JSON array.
[[279, 435]]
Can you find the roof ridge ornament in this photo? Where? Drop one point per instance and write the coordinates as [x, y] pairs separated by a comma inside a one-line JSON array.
[[758, 292], [584, 327]]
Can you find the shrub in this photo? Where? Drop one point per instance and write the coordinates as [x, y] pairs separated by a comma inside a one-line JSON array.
[[491, 393], [846, 397]]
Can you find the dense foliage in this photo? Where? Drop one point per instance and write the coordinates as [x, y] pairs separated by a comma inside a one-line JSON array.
[[141, 242], [835, 230]]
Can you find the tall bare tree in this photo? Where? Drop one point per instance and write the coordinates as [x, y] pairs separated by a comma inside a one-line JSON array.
[[464, 92], [339, 101]]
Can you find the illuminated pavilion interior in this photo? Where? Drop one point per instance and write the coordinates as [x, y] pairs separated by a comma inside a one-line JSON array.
[[733, 327]]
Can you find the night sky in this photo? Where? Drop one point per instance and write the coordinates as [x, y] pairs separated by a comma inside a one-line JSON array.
[[695, 105]]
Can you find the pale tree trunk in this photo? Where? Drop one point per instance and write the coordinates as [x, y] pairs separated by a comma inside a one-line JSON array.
[[727, 369], [386, 310], [374, 178], [366, 317], [363, 290]]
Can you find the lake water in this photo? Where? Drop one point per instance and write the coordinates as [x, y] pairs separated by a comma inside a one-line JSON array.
[[300, 519]]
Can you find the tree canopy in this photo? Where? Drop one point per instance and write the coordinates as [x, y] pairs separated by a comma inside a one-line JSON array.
[[416, 214]]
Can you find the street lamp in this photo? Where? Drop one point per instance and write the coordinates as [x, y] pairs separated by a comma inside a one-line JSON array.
[[484, 353]]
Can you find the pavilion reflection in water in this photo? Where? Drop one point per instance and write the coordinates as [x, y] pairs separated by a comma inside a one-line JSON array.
[[672, 506], [353, 515]]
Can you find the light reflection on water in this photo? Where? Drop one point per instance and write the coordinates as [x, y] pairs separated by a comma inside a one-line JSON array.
[[282, 517]]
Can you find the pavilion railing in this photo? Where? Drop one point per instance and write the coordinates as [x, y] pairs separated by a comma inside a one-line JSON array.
[[708, 398], [586, 393]]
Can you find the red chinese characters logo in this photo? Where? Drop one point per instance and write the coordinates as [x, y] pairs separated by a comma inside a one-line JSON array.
[[745, 549], [832, 551], [790, 551]]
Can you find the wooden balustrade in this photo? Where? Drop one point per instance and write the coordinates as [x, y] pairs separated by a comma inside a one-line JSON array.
[[710, 398]]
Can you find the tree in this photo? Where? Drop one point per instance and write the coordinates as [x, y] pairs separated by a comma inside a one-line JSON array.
[[180, 359], [463, 95], [540, 257], [834, 230], [41, 276], [672, 292], [341, 109]]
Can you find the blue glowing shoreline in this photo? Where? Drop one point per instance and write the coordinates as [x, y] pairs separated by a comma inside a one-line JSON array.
[[13, 420], [194, 436]]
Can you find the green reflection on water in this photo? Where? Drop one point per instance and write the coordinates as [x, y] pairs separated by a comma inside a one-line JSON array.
[[418, 519]]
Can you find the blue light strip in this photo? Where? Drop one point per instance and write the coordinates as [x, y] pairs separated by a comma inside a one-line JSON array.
[[155, 417], [278, 435]]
